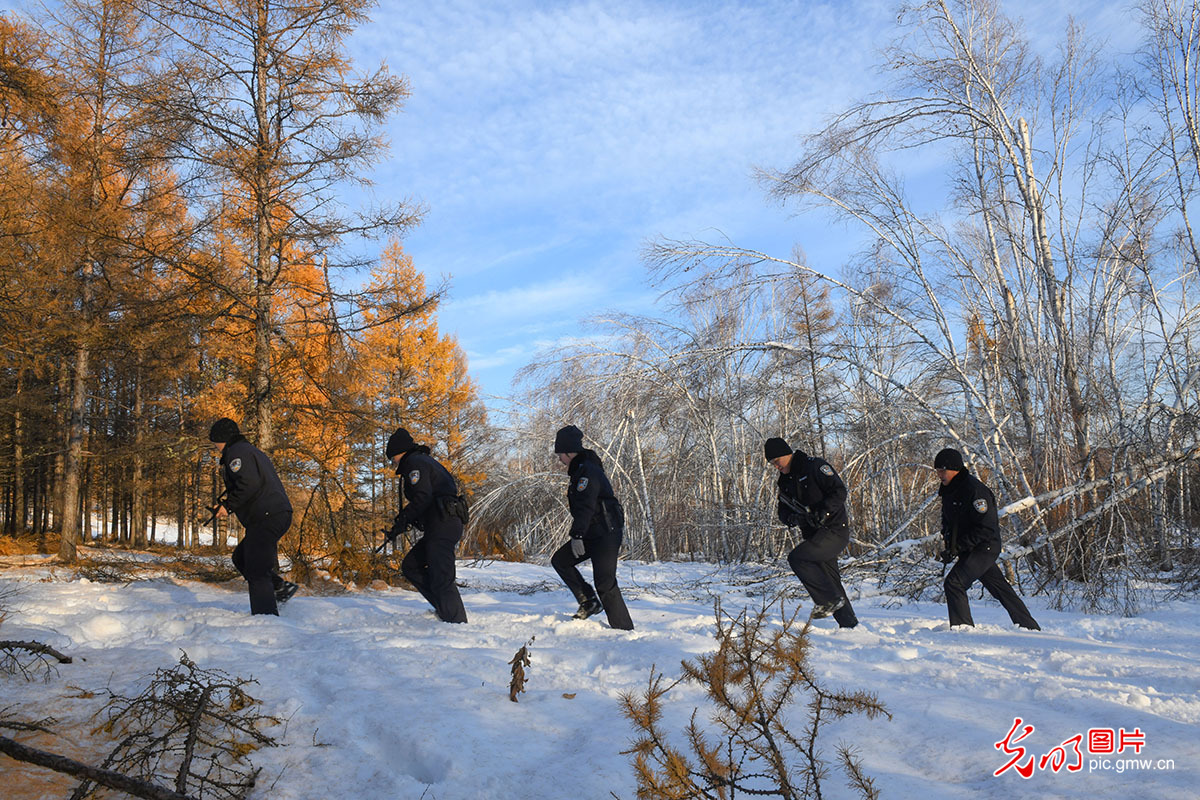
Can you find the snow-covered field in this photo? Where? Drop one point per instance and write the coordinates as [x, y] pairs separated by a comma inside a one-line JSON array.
[[382, 701]]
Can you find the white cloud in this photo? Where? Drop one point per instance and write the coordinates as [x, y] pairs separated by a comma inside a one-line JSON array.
[[566, 295], [511, 357], [594, 102]]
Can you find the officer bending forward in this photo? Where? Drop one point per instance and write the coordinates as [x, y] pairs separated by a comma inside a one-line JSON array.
[[434, 507], [255, 494], [812, 497]]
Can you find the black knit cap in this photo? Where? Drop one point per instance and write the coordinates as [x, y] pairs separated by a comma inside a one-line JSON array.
[[399, 442], [775, 447], [223, 430], [568, 440], [949, 458]]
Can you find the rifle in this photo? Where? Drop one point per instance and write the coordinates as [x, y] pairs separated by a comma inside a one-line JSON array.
[[212, 519], [950, 552], [387, 537], [805, 510]]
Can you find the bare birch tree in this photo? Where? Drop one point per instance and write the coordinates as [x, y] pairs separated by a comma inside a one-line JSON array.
[[1040, 318]]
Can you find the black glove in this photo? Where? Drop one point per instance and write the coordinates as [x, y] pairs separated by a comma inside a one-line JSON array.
[[398, 527], [946, 556], [807, 519]]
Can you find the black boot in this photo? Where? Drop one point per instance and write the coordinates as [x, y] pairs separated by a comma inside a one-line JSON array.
[[587, 608], [826, 609], [285, 592]]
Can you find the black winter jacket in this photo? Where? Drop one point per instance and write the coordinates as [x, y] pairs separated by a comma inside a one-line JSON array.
[[969, 516], [253, 488], [426, 483], [811, 485], [595, 510]]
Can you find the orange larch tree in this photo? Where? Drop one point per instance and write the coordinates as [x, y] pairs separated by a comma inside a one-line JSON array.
[[102, 201], [413, 375], [279, 124]]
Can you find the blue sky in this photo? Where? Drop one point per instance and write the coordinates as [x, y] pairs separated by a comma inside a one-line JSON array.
[[550, 141]]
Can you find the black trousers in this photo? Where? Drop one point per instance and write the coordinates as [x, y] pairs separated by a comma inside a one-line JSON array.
[[979, 564], [257, 557], [815, 563], [429, 566], [603, 552]]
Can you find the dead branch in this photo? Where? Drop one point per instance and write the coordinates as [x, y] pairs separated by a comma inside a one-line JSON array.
[[35, 647], [37, 659], [104, 777], [192, 726]]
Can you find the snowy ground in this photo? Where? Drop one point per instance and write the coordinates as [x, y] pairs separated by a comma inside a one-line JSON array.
[[383, 701]]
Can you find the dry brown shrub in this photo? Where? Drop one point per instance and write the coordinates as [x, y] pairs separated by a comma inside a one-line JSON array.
[[23, 545], [489, 543]]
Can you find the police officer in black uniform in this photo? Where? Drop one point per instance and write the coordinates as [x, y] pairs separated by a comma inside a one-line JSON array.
[[813, 498], [435, 507], [597, 528], [971, 532], [254, 493]]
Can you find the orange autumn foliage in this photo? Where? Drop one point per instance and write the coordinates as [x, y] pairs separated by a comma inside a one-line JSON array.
[[417, 377]]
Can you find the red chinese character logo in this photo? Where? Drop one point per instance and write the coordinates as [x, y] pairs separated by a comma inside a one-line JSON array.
[[1102, 740], [1134, 738], [1017, 752], [1057, 757]]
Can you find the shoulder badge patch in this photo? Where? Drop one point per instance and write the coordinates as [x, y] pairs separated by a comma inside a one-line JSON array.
[[414, 477], [826, 469], [235, 465], [980, 505], [583, 483]]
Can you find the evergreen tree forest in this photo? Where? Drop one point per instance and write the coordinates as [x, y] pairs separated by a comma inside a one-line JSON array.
[[175, 247]]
